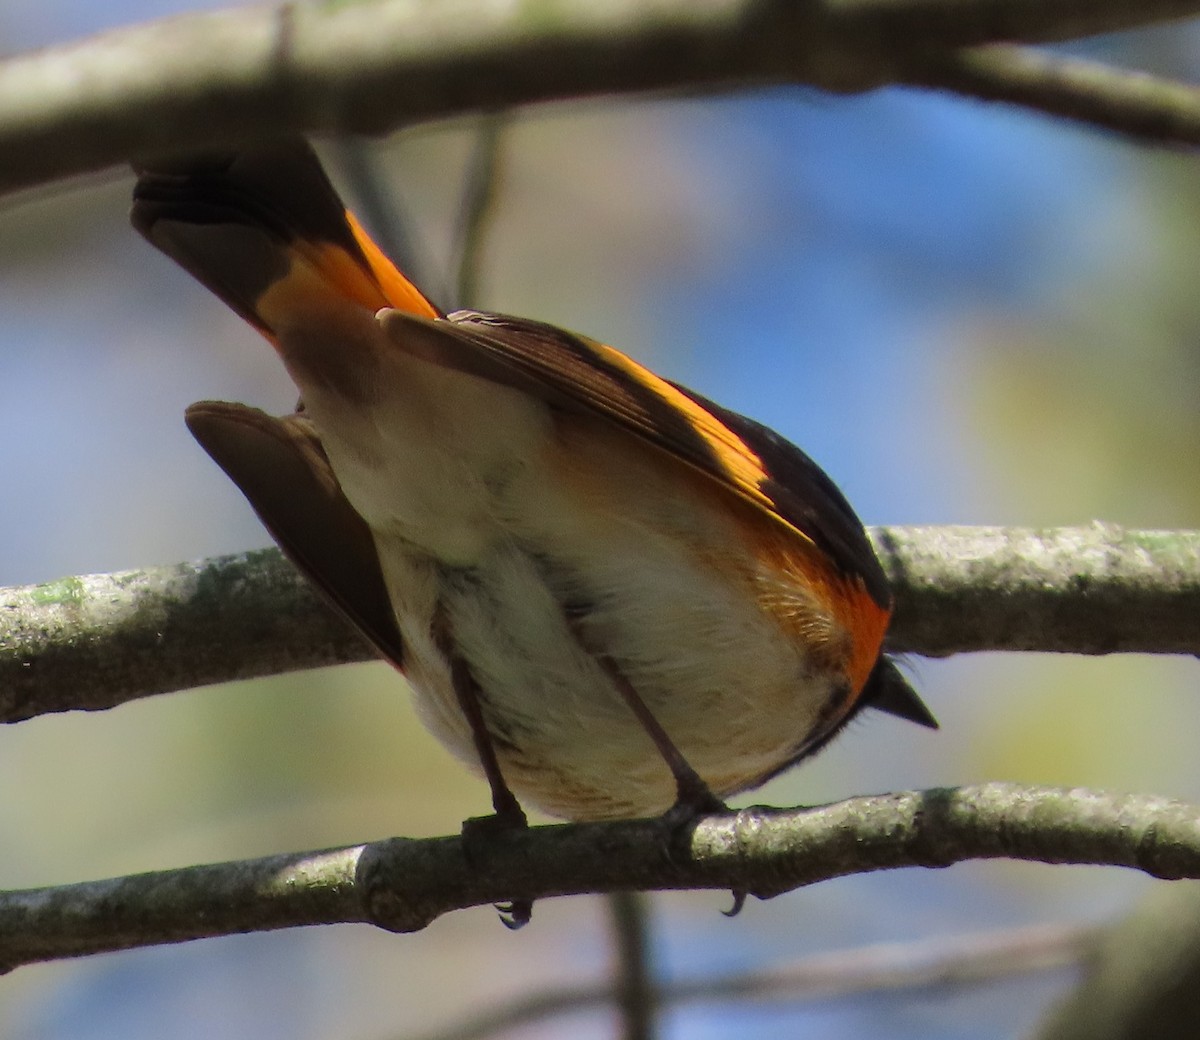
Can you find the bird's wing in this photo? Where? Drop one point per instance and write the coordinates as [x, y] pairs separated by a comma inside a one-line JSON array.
[[280, 466]]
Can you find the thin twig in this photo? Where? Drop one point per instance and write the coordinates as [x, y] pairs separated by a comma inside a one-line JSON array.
[[385, 215], [403, 884], [941, 963], [634, 987], [480, 191]]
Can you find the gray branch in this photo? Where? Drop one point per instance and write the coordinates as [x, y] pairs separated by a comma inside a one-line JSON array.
[[375, 65], [938, 964], [403, 884], [1138, 105], [97, 641], [1083, 590]]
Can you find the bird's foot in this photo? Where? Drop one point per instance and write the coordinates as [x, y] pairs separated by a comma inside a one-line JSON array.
[[479, 833]]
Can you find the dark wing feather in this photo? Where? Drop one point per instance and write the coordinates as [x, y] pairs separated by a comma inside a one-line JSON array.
[[575, 373], [887, 690], [804, 495], [280, 466]]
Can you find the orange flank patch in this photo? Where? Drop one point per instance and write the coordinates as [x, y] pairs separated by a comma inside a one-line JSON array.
[[323, 277], [867, 620], [830, 612]]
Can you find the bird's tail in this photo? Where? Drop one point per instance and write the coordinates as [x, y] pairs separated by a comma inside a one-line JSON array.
[[266, 219]]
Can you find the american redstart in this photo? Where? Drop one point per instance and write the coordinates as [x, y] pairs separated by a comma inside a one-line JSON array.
[[610, 595]]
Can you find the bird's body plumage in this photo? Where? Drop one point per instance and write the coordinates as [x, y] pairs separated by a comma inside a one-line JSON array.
[[529, 519]]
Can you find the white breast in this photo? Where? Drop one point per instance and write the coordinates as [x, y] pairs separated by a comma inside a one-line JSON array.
[[538, 539]]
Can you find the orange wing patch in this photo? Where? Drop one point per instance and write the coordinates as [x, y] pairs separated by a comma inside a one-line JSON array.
[[397, 290], [742, 467], [322, 277]]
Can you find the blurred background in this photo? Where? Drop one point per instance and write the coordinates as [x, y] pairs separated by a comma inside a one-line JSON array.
[[965, 313]]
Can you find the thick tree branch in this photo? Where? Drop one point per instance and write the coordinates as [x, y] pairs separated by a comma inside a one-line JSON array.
[[403, 884], [1083, 590], [375, 65], [98, 641]]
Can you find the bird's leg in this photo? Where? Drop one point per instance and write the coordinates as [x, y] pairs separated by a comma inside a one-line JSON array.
[[692, 795], [508, 812]]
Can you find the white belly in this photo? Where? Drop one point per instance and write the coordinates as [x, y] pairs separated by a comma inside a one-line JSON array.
[[537, 541]]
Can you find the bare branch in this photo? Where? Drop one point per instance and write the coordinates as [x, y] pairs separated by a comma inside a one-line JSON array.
[[403, 884], [1147, 107], [959, 23], [368, 67], [936, 963], [98, 641], [1082, 590]]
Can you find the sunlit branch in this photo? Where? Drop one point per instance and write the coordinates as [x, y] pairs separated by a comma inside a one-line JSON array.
[[403, 884], [97, 641], [218, 78]]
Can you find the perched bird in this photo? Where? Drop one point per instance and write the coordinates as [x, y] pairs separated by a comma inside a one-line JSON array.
[[611, 596]]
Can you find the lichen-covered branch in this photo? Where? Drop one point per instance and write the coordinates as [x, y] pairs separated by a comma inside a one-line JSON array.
[[1097, 589], [374, 65], [98, 641], [403, 884]]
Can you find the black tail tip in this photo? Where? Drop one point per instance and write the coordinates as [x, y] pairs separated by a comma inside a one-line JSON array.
[[887, 690]]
